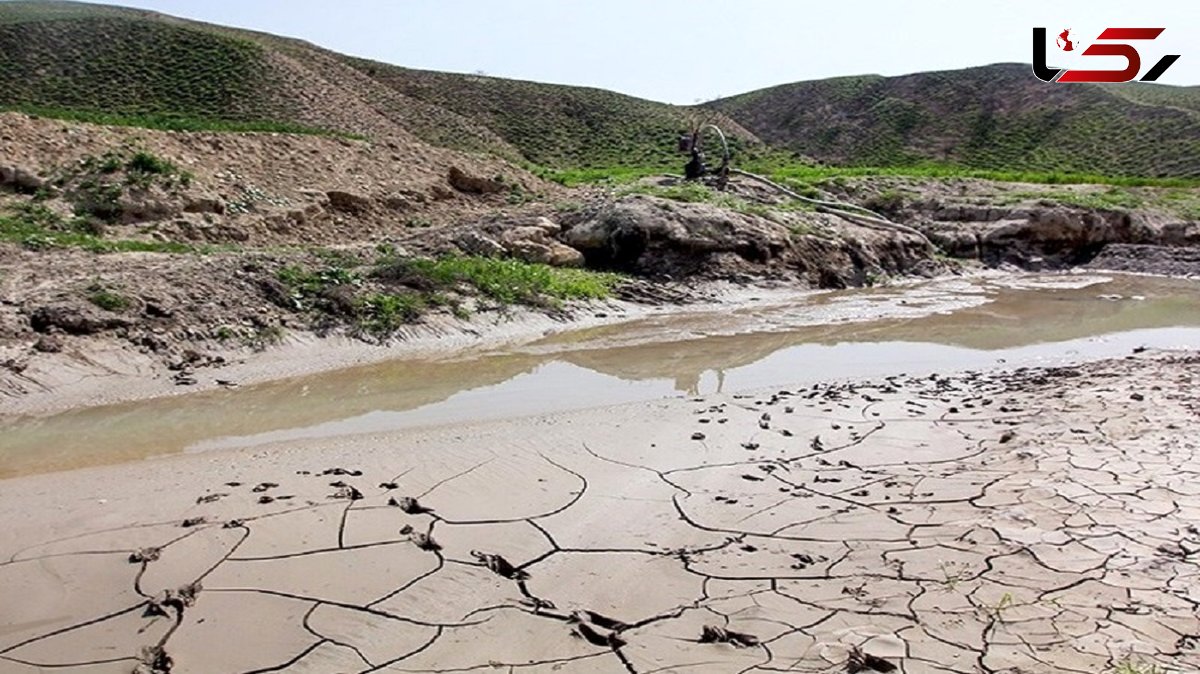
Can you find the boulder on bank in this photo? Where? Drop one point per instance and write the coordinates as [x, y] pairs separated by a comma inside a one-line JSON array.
[[73, 321], [640, 233], [657, 237], [1057, 235], [463, 182], [528, 240], [552, 253]]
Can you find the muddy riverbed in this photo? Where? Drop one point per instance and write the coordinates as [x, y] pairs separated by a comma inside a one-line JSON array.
[[920, 328]]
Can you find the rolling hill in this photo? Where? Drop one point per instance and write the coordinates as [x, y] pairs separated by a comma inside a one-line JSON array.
[[115, 65], [990, 117]]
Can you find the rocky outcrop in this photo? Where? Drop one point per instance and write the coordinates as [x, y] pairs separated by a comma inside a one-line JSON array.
[[659, 238], [1044, 236], [639, 233], [72, 321], [463, 182], [21, 179], [531, 242], [535, 243], [1165, 260], [347, 202]]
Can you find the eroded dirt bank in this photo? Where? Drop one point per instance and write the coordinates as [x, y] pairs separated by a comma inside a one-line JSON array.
[[1030, 520], [169, 255]]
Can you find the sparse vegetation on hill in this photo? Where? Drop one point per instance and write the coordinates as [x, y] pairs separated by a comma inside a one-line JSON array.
[[116, 66], [131, 67], [555, 125], [995, 118]]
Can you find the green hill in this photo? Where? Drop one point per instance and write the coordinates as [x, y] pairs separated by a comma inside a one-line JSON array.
[[991, 117], [114, 65], [110, 64]]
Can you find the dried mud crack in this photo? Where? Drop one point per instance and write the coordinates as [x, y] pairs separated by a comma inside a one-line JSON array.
[[1030, 520]]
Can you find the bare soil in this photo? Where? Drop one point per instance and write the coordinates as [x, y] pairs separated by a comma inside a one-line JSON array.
[[1029, 520]]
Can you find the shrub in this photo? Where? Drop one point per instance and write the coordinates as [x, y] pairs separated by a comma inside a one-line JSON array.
[[107, 299]]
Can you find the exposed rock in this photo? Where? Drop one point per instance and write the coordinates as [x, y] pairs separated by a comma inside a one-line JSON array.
[[1180, 234], [399, 202], [523, 233], [550, 227], [48, 344], [73, 321], [21, 179], [276, 292], [205, 205], [463, 182], [347, 202], [147, 206], [656, 237], [440, 193], [632, 233], [474, 243], [552, 253], [1049, 235], [1174, 261]]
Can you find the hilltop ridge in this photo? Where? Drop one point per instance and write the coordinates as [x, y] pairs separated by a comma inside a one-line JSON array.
[[110, 64]]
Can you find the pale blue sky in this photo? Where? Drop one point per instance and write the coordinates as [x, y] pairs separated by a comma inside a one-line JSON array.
[[641, 47]]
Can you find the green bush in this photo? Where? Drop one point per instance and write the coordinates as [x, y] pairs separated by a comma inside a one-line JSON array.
[[106, 299]]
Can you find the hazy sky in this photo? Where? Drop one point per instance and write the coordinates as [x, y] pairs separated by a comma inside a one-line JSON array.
[[682, 50]]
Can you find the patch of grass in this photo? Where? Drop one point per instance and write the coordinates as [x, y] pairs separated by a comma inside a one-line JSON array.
[[1005, 602], [38, 233], [943, 117], [174, 122], [116, 67], [107, 299], [1114, 198], [614, 175], [813, 174], [694, 193], [150, 163], [310, 283], [1184, 203], [888, 202], [398, 291], [96, 184], [337, 258], [797, 229], [803, 178], [508, 281], [381, 314]]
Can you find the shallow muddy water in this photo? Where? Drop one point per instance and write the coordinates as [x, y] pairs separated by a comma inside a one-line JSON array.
[[925, 327]]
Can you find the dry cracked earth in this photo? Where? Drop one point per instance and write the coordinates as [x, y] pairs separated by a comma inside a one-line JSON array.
[[1032, 520]]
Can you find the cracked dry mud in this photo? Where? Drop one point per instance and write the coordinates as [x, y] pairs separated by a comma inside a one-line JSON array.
[[1037, 520]]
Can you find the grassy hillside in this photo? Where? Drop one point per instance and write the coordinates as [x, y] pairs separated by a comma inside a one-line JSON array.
[[994, 117], [554, 125], [113, 65], [131, 67]]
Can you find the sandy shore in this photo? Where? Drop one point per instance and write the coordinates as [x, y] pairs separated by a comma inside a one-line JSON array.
[[1009, 521]]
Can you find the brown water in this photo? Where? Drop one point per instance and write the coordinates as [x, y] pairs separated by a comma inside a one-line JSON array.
[[935, 326]]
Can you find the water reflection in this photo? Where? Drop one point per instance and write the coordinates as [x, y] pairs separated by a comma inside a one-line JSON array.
[[942, 325]]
